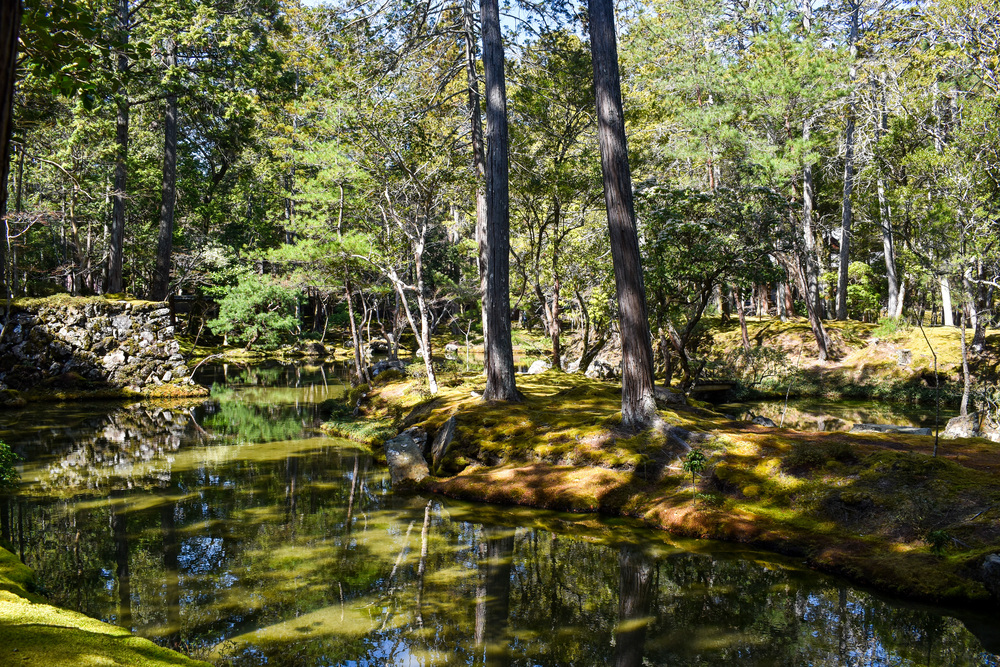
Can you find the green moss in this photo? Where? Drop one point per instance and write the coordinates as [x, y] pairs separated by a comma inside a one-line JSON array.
[[33, 632]]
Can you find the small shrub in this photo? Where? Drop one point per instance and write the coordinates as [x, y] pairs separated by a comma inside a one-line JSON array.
[[9, 476], [938, 539], [889, 326]]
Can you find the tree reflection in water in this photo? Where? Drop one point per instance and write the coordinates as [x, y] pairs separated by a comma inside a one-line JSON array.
[[295, 552]]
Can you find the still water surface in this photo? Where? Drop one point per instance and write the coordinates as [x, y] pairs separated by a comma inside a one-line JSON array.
[[230, 530]]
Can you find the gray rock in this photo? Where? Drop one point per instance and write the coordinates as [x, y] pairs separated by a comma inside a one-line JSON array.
[[668, 396], [601, 370], [904, 357], [540, 366], [889, 428], [990, 573], [451, 347], [764, 421], [386, 365], [113, 360], [167, 376], [406, 460], [442, 442], [314, 349]]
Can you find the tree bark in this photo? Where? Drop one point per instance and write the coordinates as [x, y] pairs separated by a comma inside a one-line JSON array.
[[500, 382], [10, 28], [164, 245], [638, 405], [478, 160], [115, 283], [847, 213]]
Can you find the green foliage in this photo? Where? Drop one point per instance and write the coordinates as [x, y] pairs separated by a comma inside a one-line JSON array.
[[889, 326], [257, 311], [760, 366], [695, 463], [9, 476], [939, 540]]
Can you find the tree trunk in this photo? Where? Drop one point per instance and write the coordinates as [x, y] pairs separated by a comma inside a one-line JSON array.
[[478, 159], [164, 245], [847, 214], [947, 310], [359, 368], [894, 306], [744, 335], [425, 328], [810, 265], [500, 382], [966, 376], [10, 27], [638, 406], [115, 283]]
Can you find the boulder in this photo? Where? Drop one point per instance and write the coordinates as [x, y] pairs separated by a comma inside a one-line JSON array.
[[386, 365], [538, 367], [990, 574], [904, 357], [890, 428], [442, 442], [451, 348], [601, 370], [973, 425], [668, 396], [406, 460], [764, 421], [314, 349]]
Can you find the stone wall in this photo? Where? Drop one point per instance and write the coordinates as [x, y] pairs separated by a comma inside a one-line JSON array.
[[90, 343]]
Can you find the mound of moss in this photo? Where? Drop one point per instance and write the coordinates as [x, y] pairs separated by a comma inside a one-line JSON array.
[[877, 508], [33, 632]]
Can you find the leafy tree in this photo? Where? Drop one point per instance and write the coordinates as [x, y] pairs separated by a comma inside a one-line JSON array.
[[258, 310]]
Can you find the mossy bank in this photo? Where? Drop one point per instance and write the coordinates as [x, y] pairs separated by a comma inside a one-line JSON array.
[[33, 632], [878, 509]]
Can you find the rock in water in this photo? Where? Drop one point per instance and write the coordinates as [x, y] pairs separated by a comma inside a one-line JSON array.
[[990, 572], [442, 442], [406, 460]]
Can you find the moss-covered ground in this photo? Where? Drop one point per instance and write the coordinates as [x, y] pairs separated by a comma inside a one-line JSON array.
[[879, 509], [33, 632]]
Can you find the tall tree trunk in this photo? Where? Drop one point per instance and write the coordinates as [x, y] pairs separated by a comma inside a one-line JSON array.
[[425, 326], [500, 381], [808, 269], [946, 306], [847, 213], [115, 283], [478, 158], [895, 305], [638, 406], [359, 367], [966, 376], [164, 245], [10, 28]]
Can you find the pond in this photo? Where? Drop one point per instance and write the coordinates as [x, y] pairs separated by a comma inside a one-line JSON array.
[[230, 530], [821, 414]]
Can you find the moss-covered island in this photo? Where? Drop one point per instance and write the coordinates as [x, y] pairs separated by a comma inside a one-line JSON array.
[[877, 509], [33, 632]]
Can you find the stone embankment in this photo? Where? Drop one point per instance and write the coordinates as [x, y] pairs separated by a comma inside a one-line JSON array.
[[92, 343]]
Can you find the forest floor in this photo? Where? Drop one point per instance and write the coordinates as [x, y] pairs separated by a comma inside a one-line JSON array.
[[878, 509], [33, 632]]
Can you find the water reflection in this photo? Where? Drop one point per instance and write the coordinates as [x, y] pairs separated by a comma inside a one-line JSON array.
[[812, 414], [229, 531]]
